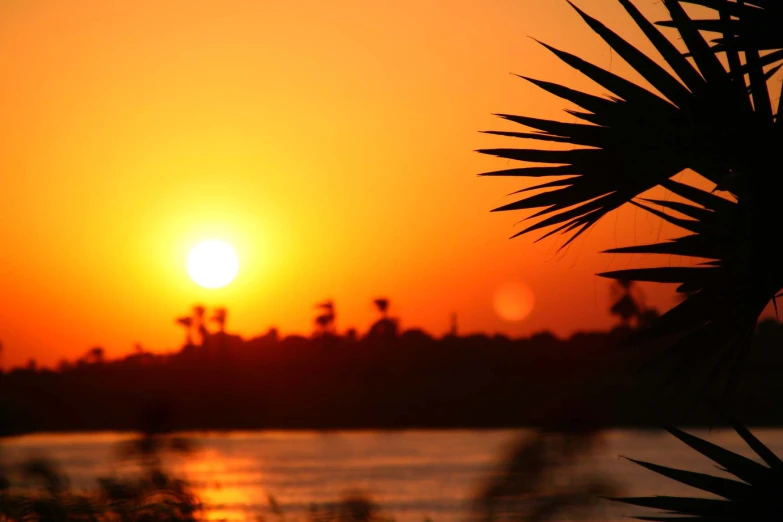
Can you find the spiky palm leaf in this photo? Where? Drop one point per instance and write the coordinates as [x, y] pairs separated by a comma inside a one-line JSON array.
[[749, 27], [636, 139], [752, 25], [727, 292], [754, 496], [705, 119]]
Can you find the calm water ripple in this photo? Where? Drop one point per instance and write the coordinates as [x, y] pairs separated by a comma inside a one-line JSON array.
[[412, 474]]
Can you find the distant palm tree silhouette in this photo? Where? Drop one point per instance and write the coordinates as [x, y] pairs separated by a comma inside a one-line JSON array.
[[95, 355], [627, 303], [199, 322], [219, 316], [187, 323], [325, 321], [385, 327], [382, 304]]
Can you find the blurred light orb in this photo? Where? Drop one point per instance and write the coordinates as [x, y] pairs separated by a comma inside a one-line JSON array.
[[514, 301], [213, 264]]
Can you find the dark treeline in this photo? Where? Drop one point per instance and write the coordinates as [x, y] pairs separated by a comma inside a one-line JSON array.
[[384, 378]]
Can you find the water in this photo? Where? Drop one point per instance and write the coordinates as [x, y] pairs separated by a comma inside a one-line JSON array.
[[412, 475]]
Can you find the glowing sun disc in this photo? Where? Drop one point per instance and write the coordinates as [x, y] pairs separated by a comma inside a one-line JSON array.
[[213, 264]]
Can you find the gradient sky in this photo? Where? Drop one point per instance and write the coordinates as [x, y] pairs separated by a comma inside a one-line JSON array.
[[330, 142]]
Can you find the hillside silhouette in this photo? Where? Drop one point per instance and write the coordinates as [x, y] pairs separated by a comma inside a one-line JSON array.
[[384, 378]]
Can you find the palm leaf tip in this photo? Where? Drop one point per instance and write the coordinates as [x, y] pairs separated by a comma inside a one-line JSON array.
[[664, 82], [749, 498]]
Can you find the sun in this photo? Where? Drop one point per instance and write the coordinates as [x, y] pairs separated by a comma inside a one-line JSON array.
[[213, 264], [514, 301]]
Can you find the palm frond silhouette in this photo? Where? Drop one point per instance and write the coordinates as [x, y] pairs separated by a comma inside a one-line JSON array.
[[705, 117], [753, 496], [752, 26], [725, 296]]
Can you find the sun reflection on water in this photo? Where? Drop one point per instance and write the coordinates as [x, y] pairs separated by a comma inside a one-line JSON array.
[[227, 485]]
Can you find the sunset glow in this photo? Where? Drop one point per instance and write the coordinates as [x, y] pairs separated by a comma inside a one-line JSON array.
[[332, 144]]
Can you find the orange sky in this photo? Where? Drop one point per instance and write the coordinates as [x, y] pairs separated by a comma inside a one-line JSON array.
[[330, 142]]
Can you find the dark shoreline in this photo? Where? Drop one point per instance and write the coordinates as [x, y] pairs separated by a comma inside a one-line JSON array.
[[392, 429], [407, 381]]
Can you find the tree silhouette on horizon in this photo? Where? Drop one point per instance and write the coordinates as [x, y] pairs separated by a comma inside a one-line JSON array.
[[382, 304], [628, 304], [219, 316], [199, 322], [95, 355], [385, 327], [186, 322], [325, 321]]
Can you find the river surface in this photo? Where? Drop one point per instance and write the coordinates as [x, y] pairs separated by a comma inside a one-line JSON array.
[[412, 475]]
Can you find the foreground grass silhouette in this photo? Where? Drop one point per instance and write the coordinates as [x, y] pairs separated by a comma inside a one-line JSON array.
[[538, 481], [153, 495]]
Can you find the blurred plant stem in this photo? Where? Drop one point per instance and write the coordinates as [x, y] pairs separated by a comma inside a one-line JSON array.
[[544, 478]]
